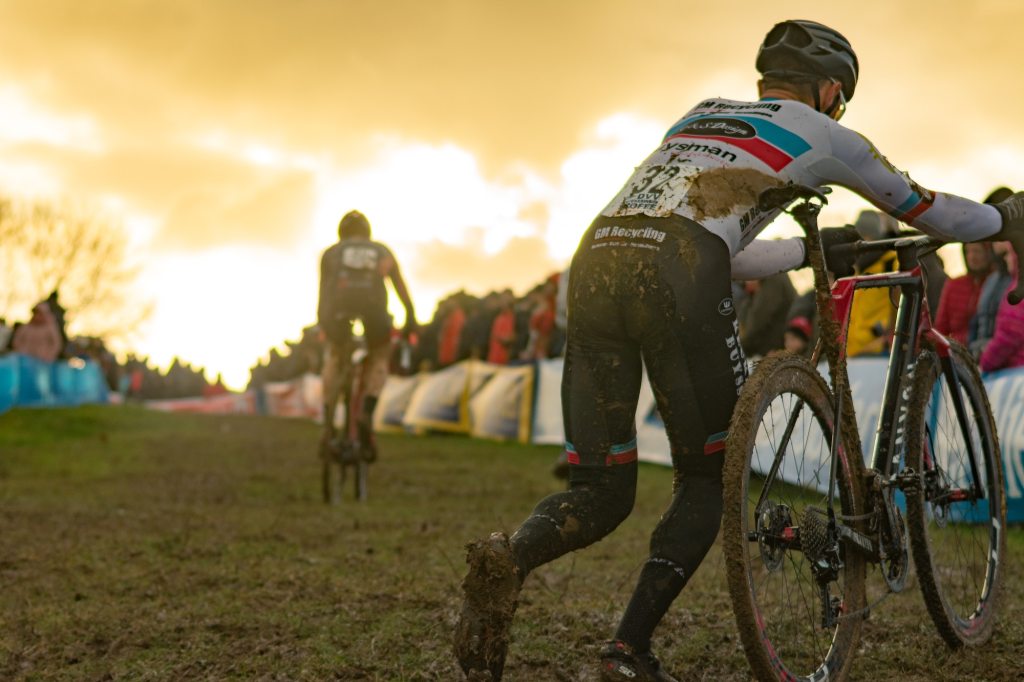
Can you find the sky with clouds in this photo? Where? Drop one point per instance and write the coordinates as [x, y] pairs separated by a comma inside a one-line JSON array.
[[479, 137]]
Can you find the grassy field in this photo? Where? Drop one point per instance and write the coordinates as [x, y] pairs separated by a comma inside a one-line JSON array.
[[143, 546]]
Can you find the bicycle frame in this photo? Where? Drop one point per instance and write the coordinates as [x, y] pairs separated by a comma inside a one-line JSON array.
[[913, 331]]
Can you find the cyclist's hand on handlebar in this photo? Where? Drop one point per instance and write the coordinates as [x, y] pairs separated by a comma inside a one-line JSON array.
[[1012, 211], [840, 266]]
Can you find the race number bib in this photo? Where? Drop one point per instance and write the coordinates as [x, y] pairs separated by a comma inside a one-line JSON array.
[[655, 190]]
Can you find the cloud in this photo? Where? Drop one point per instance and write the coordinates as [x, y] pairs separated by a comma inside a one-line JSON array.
[[272, 213], [27, 122], [520, 264], [480, 138]]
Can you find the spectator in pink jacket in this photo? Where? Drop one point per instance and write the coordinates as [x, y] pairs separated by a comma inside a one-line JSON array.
[[1006, 349], [40, 337]]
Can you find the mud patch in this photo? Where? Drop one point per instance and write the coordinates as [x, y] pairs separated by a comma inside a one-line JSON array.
[[570, 527], [715, 193], [689, 255], [491, 595]]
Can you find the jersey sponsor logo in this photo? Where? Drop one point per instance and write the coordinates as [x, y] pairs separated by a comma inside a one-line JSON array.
[[736, 357], [878, 156], [723, 127], [725, 307], [772, 144], [683, 147], [359, 257], [614, 231], [751, 107]]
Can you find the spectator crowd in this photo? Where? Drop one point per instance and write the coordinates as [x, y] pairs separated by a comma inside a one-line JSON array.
[[971, 308], [44, 337], [502, 328], [498, 327]]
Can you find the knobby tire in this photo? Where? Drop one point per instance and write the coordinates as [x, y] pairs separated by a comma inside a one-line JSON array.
[[785, 639], [959, 547]]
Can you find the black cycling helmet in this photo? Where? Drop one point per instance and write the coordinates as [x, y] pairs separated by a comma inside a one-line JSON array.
[[354, 224], [825, 53]]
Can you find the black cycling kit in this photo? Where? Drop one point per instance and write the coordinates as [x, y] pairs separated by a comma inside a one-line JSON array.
[[352, 274]]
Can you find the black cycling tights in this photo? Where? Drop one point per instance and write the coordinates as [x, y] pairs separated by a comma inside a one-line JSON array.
[[654, 293], [598, 500]]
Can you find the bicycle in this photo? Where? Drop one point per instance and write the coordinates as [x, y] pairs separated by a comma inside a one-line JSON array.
[[344, 451], [803, 515]]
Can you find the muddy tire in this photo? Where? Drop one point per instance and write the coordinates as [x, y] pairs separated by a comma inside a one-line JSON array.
[[958, 539], [775, 596]]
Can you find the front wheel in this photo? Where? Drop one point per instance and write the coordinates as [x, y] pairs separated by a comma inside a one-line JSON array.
[[796, 585], [956, 510]]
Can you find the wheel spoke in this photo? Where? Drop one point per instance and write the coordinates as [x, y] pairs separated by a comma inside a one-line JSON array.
[[784, 635], [957, 535]]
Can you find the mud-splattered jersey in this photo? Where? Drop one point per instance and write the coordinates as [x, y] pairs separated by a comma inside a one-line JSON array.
[[714, 162]]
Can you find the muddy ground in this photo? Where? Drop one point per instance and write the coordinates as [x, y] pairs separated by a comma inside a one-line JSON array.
[[144, 546]]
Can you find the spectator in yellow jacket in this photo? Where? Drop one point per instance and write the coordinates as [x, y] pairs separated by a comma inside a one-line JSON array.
[[872, 316]]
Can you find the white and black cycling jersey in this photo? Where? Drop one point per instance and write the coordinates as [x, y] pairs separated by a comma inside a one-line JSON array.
[[716, 159]]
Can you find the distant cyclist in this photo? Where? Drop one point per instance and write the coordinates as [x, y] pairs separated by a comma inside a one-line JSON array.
[[352, 287], [650, 286]]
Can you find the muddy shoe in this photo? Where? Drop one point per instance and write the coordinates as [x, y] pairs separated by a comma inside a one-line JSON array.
[[619, 663], [491, 591]]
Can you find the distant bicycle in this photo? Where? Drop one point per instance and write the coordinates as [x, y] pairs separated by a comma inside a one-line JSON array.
[[342, 450], [803, 516]]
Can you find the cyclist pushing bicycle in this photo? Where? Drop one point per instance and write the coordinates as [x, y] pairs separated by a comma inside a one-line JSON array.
[[352, 287], [650, 286]]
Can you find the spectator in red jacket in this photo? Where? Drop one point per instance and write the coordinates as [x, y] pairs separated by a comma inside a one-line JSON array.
[[451, 332], [542, 320], [1006, 349], [959, 300], [503, 331]]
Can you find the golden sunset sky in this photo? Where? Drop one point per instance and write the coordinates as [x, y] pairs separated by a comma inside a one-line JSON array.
[[479, 137]]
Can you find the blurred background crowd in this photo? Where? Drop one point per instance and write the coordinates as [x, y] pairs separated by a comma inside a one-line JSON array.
[[503, 328], [44, 337]]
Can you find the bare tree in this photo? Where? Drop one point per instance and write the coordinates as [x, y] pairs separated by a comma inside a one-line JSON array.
[[79, 253]]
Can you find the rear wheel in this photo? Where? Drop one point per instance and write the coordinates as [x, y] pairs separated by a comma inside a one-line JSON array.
[[956, 511], [793, 581]]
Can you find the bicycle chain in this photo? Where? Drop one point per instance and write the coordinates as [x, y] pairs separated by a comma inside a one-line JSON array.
[[867, 609]]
